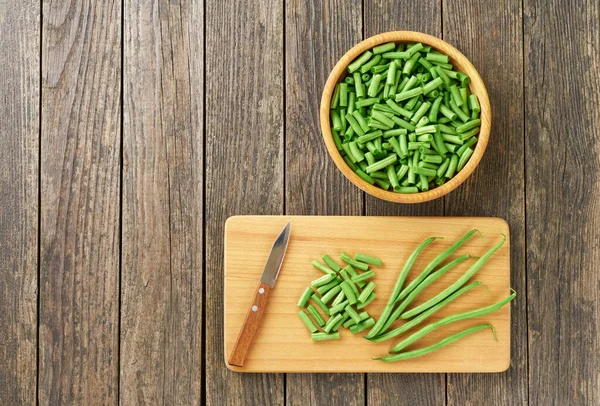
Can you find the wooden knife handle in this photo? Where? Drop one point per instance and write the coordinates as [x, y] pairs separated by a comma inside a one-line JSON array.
[[250, 325]]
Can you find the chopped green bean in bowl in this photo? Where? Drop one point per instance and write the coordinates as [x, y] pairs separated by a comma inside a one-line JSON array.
[[405, 116]]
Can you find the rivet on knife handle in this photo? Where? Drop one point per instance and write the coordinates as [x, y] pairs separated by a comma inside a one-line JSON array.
[[250, 326]]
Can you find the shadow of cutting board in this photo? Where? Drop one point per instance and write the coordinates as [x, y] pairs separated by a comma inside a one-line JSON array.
[[283, 344]]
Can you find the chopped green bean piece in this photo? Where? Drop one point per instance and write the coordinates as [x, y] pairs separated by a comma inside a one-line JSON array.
[[331, 263], [331, 294], [305, 296], [325, 279], [368, 259], [367, 66], [324, 336], [359, 62], [366, 302], [349, 292], [327, 287], [340, 322], [464, 158], [322, 267], [319, 303], [364, 276], [339, 298], [356, 264], [362, 326], [307, 321], [353, 314], [366, 292], [315, 315], [338, 307], [332, 322]]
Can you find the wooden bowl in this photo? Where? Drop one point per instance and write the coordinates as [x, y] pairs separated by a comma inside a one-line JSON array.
[[460, 62]]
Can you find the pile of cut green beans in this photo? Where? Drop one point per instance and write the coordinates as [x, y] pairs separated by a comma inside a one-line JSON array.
[[344, 285], [403, 119], [341, 294]]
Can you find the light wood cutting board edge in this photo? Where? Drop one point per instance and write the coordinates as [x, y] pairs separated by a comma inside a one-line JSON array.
[[285, 218]]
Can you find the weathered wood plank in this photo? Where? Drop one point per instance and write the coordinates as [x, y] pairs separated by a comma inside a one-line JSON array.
[[161, 316], [80, 186], [497, 186], [244, 163], [563, 219], [423, 16], [19, 149], [317, 34]]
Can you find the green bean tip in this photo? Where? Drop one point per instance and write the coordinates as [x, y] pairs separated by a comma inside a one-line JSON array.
[[486, 287], [494, 333]]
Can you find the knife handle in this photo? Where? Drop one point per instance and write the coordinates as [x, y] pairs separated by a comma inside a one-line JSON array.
[[250, 325]]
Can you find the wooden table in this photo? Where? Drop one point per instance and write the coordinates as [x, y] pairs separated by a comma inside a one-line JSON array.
[[131, 130]]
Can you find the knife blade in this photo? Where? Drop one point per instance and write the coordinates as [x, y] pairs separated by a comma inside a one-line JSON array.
[[257, 307], [273, 265]]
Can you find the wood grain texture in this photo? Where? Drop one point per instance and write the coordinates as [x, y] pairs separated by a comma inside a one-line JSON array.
[[500, 174], [244, 163], [563, 215], [80, 185], [317, 34], [19, 148], [283, 343], [161, 315], [425, 16]]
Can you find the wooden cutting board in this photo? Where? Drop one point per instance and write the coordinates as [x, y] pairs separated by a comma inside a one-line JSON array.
[[283, 343]]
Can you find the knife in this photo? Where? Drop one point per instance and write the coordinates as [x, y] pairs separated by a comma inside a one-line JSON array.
[[257, 307]]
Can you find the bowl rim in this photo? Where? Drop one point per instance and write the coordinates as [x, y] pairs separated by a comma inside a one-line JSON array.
[[475, 83]]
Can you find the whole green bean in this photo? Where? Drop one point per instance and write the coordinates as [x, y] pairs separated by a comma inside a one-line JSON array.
[[433, 264], [440, 344], [456, 285], [451, 319], [417, 320], [398, 286], [428, 281]]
